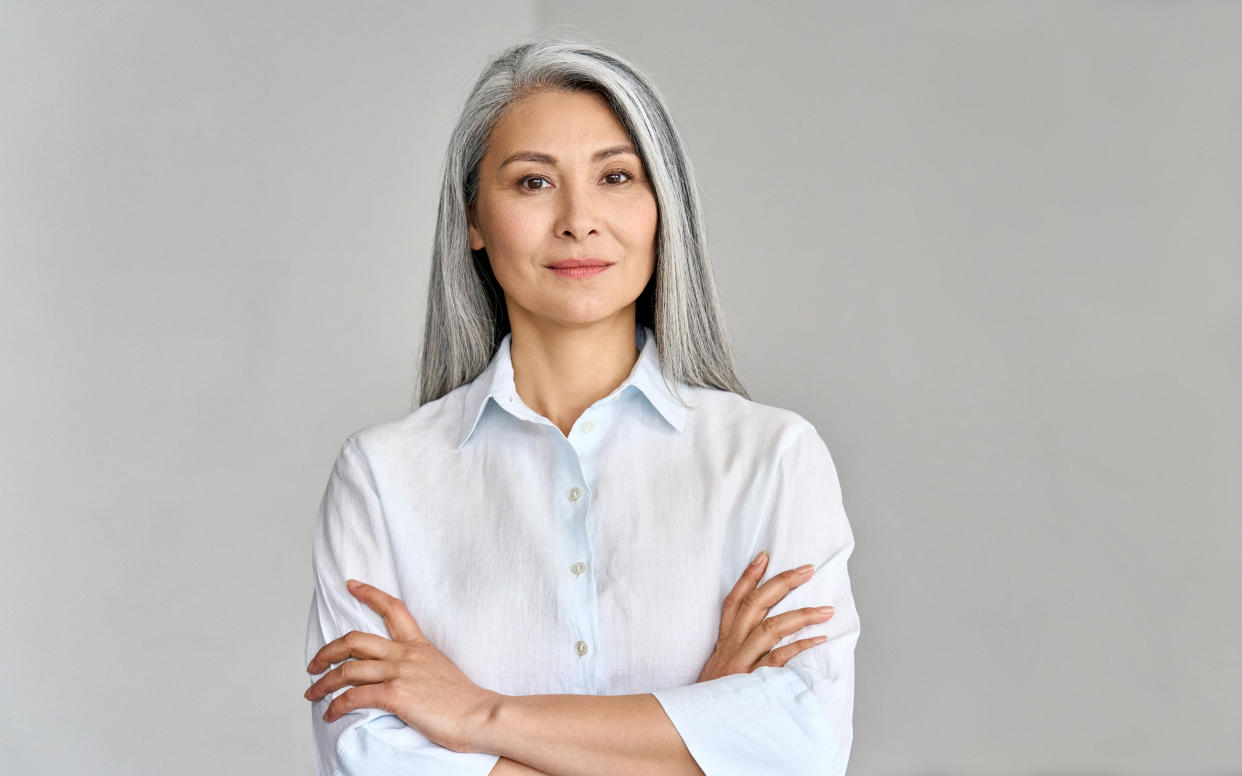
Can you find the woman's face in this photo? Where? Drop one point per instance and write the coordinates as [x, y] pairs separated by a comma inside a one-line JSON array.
[[560, 180]]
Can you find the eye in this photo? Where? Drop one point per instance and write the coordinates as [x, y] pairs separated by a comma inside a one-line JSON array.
[[522, 183], [611, 177]]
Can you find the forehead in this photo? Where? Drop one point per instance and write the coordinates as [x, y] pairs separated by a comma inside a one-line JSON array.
[[555, 119]]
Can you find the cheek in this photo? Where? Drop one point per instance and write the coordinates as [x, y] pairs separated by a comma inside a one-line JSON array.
[[513, 231], [644, 224], [636, 220], [513, 243]]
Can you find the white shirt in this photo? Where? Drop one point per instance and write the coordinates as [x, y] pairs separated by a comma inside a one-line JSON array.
[[594, 564]]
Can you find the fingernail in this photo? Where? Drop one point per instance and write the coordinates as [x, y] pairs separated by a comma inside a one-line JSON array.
[[758, 558], [805, 569], [352, 584], [825, 610]]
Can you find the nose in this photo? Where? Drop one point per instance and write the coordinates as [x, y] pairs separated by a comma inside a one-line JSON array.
[[576, 214]]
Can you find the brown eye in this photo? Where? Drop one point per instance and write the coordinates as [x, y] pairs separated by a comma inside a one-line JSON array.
[[613, 176], [523, 183]]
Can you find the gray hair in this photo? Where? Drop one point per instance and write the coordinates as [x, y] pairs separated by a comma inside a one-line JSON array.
[[466, 313]]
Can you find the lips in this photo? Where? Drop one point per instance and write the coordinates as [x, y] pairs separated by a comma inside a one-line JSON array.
[[574, 263]]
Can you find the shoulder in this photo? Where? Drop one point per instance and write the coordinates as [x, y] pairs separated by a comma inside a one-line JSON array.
[[726, 418], [430, 430], [771, 444]]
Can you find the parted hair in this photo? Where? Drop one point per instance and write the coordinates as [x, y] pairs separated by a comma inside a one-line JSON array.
[[466, 314]]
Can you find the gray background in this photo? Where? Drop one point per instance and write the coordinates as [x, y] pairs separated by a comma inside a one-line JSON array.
[[991, 250]]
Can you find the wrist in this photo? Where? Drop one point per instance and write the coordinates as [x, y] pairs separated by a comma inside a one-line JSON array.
[[486, 723]]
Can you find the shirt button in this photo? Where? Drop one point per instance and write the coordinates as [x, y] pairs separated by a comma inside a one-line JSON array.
[[578, 568], [580, 648], [575, 493], [588, 426]]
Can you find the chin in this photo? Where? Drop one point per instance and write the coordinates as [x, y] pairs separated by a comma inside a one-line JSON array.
[[580, 307], [584, 319], [583, 315]]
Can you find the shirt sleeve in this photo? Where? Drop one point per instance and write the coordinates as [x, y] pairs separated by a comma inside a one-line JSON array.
[[351, 540], [794, 720]]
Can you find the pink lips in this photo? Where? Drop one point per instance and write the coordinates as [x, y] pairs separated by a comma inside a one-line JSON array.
[[579, 268]]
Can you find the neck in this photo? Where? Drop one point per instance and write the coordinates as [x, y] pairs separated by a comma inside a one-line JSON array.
[[559, 370]]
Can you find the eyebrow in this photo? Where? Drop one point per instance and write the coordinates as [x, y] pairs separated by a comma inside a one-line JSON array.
[[535, 156]]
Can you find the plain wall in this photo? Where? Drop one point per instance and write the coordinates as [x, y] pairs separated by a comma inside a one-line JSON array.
[[216, 224], [993, 250], [990, 249]]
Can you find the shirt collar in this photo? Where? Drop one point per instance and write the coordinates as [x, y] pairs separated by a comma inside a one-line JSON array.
[[496, 381]]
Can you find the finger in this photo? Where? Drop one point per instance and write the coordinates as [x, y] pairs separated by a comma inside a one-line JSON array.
[[400, 623], [351, 672], [756, 603], [746, 583], [357, 644], [777, 627], [778, 657], [368, 696]]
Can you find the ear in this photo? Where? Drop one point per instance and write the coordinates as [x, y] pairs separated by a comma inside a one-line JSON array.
[[476, 237]]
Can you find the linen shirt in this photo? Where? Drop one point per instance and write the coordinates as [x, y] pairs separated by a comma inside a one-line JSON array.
[[592, 564]]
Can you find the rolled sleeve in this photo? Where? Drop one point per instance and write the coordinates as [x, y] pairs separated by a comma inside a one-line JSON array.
[[351, 540], [796, 719], [767, 721]]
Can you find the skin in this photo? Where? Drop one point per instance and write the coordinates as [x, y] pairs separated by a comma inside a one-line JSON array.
[[573, 338], [557, 735], [572, 344]]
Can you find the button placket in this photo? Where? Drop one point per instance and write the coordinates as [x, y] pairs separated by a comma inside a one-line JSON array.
[[576, 509]]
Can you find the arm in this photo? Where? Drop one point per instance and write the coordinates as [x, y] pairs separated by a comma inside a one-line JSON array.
[[351, 540], [507, 767], [585, 735], [794, 719], [798, 718], [790, 720]]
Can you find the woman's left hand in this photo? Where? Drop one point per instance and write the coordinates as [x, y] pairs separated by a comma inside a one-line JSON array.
[[405, 675]]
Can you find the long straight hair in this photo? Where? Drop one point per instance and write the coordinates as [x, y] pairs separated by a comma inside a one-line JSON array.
[[466, 313]]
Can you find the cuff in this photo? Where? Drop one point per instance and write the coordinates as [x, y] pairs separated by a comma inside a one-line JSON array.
[[767, 721], [384, 747]]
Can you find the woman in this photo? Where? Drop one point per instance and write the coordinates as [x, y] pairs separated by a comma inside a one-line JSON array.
[[546, 540]]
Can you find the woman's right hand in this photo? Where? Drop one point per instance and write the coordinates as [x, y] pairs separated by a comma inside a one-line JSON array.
[[746, 637]]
